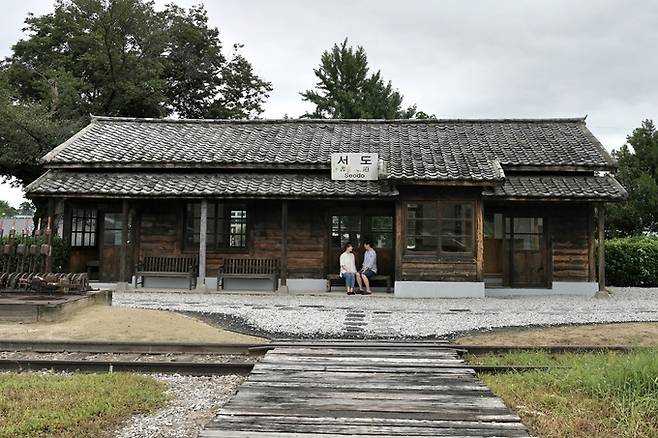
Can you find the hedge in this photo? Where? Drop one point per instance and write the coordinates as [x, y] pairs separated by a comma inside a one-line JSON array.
[[632, 261], [60, 251]]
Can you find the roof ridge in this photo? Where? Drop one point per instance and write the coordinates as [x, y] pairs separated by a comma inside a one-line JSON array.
[[337, 121]]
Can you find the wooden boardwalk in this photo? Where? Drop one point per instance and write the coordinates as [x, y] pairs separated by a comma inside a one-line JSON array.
[[338, 392]]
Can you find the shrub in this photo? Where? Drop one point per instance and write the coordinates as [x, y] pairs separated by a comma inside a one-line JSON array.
[[60, 252], [632, 261]]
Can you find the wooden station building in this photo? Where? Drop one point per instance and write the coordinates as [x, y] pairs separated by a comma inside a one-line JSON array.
[[460, 208]]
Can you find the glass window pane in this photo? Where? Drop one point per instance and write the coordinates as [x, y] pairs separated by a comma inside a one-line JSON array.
[[382, 240], [422, 243], [453, 210], [461, 244]]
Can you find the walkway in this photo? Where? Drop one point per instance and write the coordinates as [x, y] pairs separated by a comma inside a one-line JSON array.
[[383, 391]]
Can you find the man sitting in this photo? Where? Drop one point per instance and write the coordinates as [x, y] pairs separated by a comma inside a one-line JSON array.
[[368, 269]]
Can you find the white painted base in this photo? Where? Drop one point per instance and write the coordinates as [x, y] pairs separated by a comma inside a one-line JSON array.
[[306, 284], [439, 289], [576, 288]]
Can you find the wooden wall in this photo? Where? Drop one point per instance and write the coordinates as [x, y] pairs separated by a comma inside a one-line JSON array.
[[161, 232], [571, 236], [416, 267]]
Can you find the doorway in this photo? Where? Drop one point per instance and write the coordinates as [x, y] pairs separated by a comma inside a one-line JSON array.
[[515, 250], [110, 248], [376, 227]]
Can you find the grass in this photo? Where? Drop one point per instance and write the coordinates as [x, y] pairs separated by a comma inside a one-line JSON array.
[[602, 394], [78, 405], [632, 333]]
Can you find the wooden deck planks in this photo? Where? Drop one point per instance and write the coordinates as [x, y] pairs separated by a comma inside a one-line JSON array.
[[339, 391]]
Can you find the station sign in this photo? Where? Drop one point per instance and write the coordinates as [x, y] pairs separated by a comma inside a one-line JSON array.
[[351, 166]]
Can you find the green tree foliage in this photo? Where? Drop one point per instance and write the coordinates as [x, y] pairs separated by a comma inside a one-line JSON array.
[[347, 90], [7, 210], [638, 173], [119, 58], [26, 208]]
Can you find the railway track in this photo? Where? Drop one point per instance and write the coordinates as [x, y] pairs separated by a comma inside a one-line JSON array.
[[36, 355]]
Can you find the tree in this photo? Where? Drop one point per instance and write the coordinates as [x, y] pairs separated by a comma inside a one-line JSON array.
[[6, 210], [119, 58], [347, 90], [26, 208], [638, 173]]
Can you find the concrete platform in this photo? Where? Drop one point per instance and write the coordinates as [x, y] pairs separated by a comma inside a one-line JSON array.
[[32, 307]]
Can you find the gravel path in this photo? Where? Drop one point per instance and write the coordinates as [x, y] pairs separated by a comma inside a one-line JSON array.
[[193, 402], [383, 316]]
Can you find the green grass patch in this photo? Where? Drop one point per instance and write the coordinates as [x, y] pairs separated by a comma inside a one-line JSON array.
[[78, 405], [606, 394]]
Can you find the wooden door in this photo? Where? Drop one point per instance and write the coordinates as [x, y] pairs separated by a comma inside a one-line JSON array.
[[525, 238], [376, 227], [111, 232]]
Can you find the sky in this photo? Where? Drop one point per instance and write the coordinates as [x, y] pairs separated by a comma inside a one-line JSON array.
[[464, 59]]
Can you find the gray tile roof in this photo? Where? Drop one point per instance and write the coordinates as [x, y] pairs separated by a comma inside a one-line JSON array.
[[239, 185], [586, 188], [413, 149]]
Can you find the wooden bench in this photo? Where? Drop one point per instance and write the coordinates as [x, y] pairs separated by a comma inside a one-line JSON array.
[[249, 268], [183, 266], [339, 280]]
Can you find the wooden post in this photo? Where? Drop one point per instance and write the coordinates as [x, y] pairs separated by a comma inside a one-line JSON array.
[[284, 247], [601, 226], [591, 243], [400, 234], [479, 240], [49, 234], [203, 230], [123, 256]]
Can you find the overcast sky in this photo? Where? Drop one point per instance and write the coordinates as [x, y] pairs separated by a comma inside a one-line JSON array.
[[452, 58]]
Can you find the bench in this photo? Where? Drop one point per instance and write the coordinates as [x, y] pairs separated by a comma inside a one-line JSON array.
[[339, 280], [183, 266], [248, 268]]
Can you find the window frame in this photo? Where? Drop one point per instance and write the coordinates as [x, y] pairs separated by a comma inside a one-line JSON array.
[[213, 221], [85, 234], [438, 221]]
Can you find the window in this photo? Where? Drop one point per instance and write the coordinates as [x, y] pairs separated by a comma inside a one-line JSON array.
[[345, 229], [112, 229], [442, 227], [226, 228], [83, 227], [357, 229], [527, 234]]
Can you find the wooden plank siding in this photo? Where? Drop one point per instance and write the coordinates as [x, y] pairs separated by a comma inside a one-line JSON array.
[[571, 243]]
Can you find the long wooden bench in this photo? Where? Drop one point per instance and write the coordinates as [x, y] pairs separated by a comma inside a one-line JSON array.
[[249, 268], [338, 280], [183, 266]]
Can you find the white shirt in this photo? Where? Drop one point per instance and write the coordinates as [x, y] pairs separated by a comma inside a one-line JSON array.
[[347, 263]]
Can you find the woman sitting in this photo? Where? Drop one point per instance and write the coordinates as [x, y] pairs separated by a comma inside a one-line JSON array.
[[348, 268]]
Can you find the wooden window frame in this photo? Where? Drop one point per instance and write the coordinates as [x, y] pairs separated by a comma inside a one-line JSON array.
[[439, 253], [226, 227], [86, 235]]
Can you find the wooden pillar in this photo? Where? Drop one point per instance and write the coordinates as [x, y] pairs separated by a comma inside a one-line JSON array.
[[49, 234], [284, 246], [601, 227], [591, 243], [203, 231], [400, 234], [123, 256], [479, 240]]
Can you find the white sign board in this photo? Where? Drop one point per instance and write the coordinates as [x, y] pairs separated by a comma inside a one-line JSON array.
[[355, 167]]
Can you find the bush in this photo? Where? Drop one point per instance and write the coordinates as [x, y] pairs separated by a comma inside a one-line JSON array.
[[60, 252], [632, 261]]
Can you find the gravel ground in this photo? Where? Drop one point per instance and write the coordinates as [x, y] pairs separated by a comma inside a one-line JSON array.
[[193, 402], [329, 316], [129, 357]]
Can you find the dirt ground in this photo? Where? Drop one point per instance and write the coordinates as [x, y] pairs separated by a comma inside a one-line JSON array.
[[635, 334], [107, 323]]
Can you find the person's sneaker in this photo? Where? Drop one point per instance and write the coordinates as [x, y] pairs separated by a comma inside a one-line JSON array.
[[367, 292], [350, 293]]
